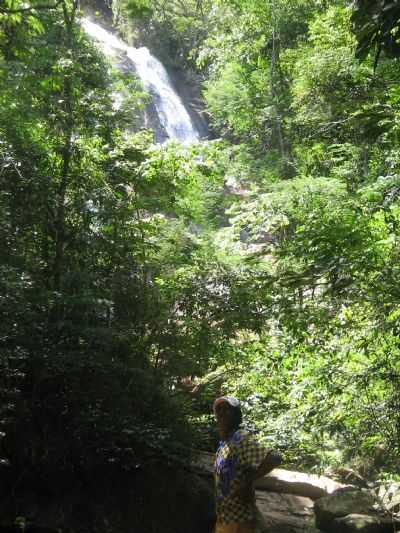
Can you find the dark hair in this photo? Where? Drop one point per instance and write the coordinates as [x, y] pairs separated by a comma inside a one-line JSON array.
[[237, 416]]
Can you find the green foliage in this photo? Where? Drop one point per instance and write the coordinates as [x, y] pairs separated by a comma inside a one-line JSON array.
[[264, 264], [323, 374], [96, 334], [172, 28], [288, 277], [376, 26]]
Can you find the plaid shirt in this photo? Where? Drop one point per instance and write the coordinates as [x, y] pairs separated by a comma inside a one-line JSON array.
[[234, 456]]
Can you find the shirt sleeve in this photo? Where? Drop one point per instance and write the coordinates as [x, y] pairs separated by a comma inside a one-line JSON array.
[[251, 453]]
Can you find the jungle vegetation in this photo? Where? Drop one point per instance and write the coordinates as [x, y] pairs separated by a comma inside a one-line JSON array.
[[263, 263]]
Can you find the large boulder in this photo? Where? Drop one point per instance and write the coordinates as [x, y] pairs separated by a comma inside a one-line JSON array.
[[342, 503], [353, 511], [291, 482], [284, 513]]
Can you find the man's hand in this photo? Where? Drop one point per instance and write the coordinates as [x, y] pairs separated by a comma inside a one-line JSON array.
[[271, 461]]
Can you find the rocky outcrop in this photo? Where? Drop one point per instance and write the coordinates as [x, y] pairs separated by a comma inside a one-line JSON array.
[[353, 511], [295, 502], [188, 85], [341, 504]]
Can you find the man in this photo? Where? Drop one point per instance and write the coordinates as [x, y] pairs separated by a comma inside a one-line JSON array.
[[240, 460]]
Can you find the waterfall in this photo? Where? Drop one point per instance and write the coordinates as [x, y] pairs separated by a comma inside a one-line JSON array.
[[174, 119]]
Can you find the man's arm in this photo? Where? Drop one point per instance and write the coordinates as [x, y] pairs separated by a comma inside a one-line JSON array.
[[270, 461]]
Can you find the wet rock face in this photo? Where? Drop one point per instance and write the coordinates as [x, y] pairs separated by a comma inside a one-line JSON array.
[[189, 86]]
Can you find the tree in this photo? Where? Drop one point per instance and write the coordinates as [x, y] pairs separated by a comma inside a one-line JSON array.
[[376, 26]]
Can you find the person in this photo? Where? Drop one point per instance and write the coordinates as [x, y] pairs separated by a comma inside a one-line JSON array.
[[240, 460]]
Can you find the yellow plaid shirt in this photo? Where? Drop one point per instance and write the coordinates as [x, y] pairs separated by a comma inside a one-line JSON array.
[[234, 456]]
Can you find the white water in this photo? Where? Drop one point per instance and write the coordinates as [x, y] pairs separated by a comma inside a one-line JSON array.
[[171, 112]]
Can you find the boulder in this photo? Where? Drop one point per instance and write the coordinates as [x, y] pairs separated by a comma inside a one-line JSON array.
[[349, 475], [284, 513], [291, 482], [389, 496], [359, 523], [351, 512], [343, 503]]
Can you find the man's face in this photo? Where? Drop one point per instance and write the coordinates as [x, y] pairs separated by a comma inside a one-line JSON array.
[[224, 416]]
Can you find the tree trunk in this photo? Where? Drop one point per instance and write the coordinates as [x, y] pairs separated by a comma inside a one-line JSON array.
[[69, 12]]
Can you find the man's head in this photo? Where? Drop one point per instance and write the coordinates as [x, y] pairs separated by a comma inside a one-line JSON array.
[[228, 415]]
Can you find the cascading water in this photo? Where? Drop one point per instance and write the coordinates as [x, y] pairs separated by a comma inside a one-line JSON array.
[[172, 114]]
